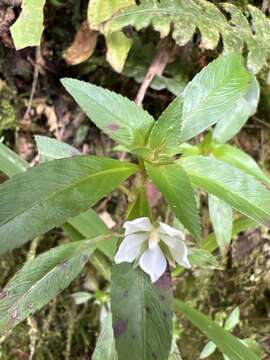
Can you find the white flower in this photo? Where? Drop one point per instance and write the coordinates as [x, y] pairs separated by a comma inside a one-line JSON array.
[[141, 242]]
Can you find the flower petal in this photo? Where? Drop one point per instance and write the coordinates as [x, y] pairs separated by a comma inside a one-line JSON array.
[[130, 248], [140, 224], [154, 263], [169, 230], [177, 248]]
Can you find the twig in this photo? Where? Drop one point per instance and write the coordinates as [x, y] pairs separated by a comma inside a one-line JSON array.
[[165, 51], [260, 121], [265, 5], [31, 322], [14, 3], [34, 83]]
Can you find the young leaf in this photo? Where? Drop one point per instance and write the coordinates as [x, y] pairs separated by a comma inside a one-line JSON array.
[[243, 192], [47, 195], [221, 218], [81, 297], [239, 225], [233, 120], [165, 136], [51, 149], [217, 87], [232, 320], [174, 184], [142, 315], [226, 342], [105, 347], [208, 350], [239, 159], [10, 163], [28, 29], [40, 280], [203, 259], [117, 116]]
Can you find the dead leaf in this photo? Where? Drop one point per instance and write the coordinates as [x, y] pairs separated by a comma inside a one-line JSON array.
[[107, 219], [83, 45], [50, 114]]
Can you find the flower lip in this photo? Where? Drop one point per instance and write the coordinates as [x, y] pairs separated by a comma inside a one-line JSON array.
[[151, 258]]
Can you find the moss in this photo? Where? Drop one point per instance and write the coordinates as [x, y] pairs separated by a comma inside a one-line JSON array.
[[8, 111]]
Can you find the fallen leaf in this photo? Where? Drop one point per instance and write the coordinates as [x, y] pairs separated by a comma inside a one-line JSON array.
[[83, 45]]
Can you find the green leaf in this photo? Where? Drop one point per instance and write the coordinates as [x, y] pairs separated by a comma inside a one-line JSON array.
[[105, 347], [243, 192], [239, 225], [165, 136], [118, 45], [40, 280], [89, 225], [10, 163], [247, 30], [226, 342], [232, 320], [233, 120], [253, 345], [239, 159], [101, 10], [203, 259], [81, 297], [208, 350], [254, 30], [117, 116], [142, 315], [49, 194], [174, 184], [28, 29], [221, 218], [85, 225], [51, 149], [217, 87]]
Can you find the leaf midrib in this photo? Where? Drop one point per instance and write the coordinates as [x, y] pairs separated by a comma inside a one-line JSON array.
[[127, 125], [196, 234], [62, 189], [226, 80]]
